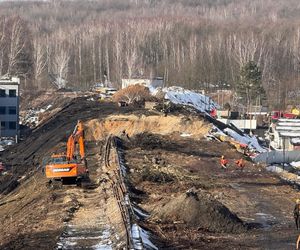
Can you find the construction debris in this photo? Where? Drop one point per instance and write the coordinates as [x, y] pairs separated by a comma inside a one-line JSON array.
[[169, 182]]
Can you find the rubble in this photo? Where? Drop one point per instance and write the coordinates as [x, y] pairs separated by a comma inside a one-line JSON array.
[[5, 143], [205, 104], [33, 117]]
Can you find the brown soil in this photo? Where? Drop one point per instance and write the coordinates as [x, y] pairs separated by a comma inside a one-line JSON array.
[[198, 209], [41, 99], [258, 198], [34, 216], [224, 209], [31, 215], [157, 123], [27, 156]]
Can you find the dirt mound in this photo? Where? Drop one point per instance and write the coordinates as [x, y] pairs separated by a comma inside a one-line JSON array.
[[41, 99], [28, 155], [200, 210], [157, 124]]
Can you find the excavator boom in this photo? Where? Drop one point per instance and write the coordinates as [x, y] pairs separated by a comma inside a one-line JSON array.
[[77, 137]]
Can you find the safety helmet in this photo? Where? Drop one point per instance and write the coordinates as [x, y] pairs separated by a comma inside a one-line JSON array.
[[222, 156]]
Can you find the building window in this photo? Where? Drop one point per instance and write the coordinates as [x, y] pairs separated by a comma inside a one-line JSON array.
[[12, 125], [2, 125], [12, 110], [12, 93], [2, 110], [2, 93]]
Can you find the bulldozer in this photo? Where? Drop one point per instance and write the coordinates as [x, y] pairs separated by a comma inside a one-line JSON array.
[[70, 167]]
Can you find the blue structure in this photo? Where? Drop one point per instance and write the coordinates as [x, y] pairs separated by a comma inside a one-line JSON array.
[[9, 106]]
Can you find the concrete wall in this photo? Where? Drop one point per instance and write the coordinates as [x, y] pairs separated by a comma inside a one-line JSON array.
[[278, 157]]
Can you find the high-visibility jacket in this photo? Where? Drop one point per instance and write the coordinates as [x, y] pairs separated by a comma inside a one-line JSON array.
[[224, 161], [240, 163]]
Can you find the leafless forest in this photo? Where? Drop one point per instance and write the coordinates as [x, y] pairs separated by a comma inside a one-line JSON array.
[[194, 43]]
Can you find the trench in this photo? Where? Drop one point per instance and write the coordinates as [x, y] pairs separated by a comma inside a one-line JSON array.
[[106, 218]]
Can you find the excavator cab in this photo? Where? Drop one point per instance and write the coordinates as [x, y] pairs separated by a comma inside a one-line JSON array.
[[72, 166]]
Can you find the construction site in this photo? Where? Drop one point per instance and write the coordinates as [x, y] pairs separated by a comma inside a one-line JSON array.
[[149, 124], [154, 180]]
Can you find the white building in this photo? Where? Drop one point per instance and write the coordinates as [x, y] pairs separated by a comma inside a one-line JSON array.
[[9, 106], [154, 83], [285, 134]]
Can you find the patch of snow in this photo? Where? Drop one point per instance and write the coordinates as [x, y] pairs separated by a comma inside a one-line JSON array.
[[140, 213], [4, 143], [295, 164], [146, 239], [7, 142], [183, 96], [153, 90], [251, 141], [185, 135], [141, 238], [295, 140], [70, 243], [275, 169], [60, 82], [204, 103], [266, 215], [73, 236], [199, 101], [266, 220], [102, 247]]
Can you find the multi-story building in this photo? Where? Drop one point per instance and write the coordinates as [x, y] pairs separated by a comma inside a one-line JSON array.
[[9, 106]]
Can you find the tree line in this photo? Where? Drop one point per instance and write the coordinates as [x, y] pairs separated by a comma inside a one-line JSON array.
[[198, 44]]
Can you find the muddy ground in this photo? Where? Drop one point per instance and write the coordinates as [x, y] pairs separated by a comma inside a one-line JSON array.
[[165, 168], [174, 176], [31, 215], [34, 216], [45, 139]]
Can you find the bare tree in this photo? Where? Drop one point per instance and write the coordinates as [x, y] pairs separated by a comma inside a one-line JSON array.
[[60, 67], [2, 43], [16, 45], [39, 56]]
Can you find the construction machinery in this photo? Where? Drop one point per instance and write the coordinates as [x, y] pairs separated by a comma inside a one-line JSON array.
[[72, 166]]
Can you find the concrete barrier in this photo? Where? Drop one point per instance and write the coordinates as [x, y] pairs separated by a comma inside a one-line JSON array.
[[278, 157]]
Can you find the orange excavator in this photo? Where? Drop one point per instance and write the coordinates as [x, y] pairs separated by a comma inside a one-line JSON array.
[[72, 166]]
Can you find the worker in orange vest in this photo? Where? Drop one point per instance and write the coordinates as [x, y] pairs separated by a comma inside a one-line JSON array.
[[240, 163], [223, 162]]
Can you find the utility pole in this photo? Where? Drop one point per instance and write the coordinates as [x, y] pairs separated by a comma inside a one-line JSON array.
[[283, 138]]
